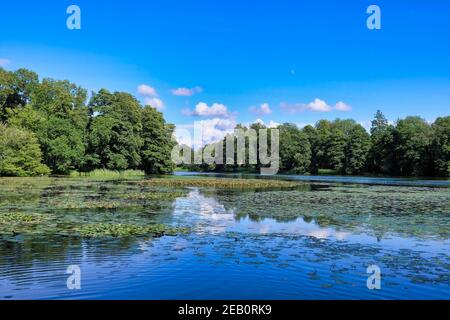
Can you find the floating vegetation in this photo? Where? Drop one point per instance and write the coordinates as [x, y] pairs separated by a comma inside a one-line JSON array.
[[18, 217], [126, 230], [100, 205], [151, 196], [103, 173], [220, 183], [84, 207], [380, 210], [14, 223], [328, 245], [58, 205]]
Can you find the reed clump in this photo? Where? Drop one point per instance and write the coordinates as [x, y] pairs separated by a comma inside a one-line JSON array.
[[220, 183]]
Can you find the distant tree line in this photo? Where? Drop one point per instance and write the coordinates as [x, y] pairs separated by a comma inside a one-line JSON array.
[[411, 147], [49, 126]]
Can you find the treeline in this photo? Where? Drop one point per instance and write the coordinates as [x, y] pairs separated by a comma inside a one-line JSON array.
[[50, 126], [411, 147]]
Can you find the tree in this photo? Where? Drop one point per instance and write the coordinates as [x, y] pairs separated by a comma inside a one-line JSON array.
[[60, 98], [412, 140], [334, 146], [16, 89], [440, 147], [157, 144], [62, 144], [379, 123], [295, 149], [113, 131], [322, 141], [312, 135], [20, 154], [357, 150], [335, 152], [381, 157], [57, 115]]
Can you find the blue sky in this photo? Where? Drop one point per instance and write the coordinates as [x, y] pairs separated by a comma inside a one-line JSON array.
[[300, 60]]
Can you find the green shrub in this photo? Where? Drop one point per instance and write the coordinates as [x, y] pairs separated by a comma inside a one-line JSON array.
[[20, 153]]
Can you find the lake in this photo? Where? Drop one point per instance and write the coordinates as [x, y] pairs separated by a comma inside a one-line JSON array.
[[312, 241]]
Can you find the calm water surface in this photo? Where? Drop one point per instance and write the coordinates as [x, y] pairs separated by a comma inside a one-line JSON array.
[[311, 242]]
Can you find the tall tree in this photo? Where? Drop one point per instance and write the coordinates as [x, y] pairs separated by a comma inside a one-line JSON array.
[[357, 150], [335, 152], [114, 140], [57, 115], [157, 142], [321, 147], [440, 147], [16, 89], [295, 149], [312, 135], [382, 153], [412, 140]]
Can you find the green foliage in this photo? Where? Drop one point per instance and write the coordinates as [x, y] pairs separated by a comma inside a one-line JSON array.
[[335, 150], [62, 144], [57, 115], [106, 134], [381, 157], [295, 149], [59, 98], [16, 89], [357, 150], [411, 148], [312, 135], [114, 132], [157, 142], [412, 138], [440, 147], [114, 140], [20, 154]]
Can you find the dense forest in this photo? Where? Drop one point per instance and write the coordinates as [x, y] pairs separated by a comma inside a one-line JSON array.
[[51, 127], [411, 147]]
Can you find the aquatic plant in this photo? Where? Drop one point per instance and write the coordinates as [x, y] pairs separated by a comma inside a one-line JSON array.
[[104, 173], [19, 217], [380, 210], [155, 195], [126, 230], [219, 183]]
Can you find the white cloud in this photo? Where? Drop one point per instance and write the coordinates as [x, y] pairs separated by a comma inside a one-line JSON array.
[[341, 106], [4, 62], [317, 105], [270, 124], [262, 110], [203, 110], [186, 92], [204, 132], [147, 91], [156, 103], [151, 97]]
